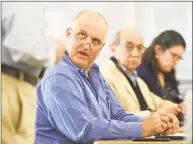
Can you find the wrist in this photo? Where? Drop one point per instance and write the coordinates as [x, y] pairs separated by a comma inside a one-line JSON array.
[[143, 130]]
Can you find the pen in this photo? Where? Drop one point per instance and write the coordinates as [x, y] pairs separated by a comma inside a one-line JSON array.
[[151, 110]]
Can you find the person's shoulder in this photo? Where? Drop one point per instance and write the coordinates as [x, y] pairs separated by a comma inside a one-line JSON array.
[[143, 67], [146, 74], [143, 70], [60, 69], [108, 70], [107, 66]]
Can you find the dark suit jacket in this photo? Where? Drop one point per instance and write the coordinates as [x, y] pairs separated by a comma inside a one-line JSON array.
[[168, 92]]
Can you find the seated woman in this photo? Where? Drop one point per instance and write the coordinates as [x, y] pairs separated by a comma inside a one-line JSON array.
[[159, 62]]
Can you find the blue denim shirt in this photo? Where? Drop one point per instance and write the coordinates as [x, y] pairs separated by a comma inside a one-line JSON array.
[[72, 109]]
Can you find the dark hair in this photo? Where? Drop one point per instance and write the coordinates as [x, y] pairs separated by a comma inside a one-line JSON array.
[[166, 40]]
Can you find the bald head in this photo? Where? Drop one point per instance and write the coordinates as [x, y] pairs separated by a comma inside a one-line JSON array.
[[128, 34], [92, 22], [88, 12]]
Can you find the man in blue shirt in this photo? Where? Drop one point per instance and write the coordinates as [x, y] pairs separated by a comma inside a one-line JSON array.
[[76, 105]]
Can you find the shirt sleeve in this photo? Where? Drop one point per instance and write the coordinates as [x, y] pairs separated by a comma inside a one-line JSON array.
[[161, 103], [67, 111], [25, 34]]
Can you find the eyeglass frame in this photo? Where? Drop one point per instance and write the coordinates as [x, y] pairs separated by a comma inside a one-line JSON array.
[[135, 46], [175, 56], [85, 40]]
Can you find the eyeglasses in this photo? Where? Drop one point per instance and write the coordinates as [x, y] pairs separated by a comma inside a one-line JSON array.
[[131, 46], [82, 38], [175, 56]]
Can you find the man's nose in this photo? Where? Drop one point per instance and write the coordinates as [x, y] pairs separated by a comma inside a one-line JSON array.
[[86, 45], [134, 52]]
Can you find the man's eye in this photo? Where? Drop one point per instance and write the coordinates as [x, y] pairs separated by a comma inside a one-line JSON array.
[[130, 46], [96, 42], [140, 47], [82, 35]]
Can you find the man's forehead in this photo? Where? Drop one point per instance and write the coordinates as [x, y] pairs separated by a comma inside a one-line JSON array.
[[85, 24], [94, 26], [92, 14], [131, 36], [90, 18]]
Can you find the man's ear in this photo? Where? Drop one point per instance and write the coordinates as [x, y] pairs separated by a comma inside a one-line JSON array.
[[113, 47], [60, 48], [102, 46], [68, 32]]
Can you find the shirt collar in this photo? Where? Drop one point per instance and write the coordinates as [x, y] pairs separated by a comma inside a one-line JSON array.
[[131, 75], [66, 58], [134, 73]]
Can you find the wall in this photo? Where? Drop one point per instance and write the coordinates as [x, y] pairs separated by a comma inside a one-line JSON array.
[[149, 18]]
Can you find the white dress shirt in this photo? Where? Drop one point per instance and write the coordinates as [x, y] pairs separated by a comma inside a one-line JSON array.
[[24, 41]]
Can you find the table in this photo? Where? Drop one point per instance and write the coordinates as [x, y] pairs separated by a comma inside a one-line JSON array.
[[143, 142], [132, 142]]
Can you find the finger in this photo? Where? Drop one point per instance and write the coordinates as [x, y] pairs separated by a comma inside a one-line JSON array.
[[160, 126], [182, 105], [162, 113], [164, 126], [176, 130], [174, 120], [177, 109], [174, 110], [165, 119], [170, 125], [182, 108], [170, 131], [160, 129]]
